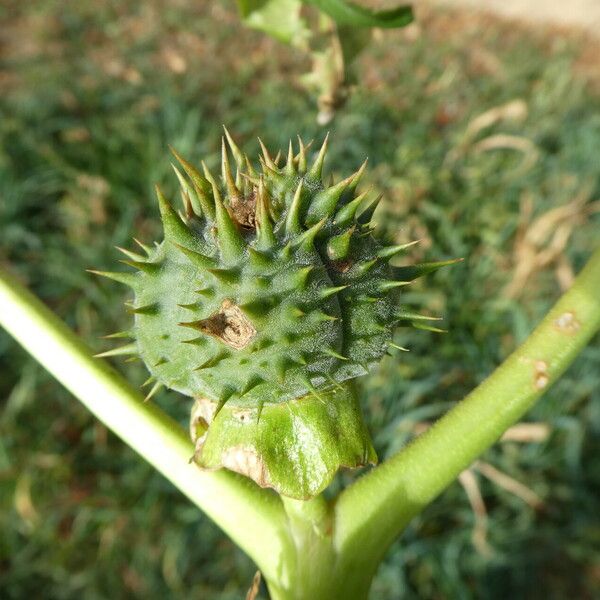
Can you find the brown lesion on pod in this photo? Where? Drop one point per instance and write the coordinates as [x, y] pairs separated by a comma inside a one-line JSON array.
[[243, 209], [229, 325], [342, 266]]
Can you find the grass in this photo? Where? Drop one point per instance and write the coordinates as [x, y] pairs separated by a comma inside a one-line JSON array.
[[91, 100]]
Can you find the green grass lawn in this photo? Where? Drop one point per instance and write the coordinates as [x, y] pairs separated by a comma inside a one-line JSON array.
[[91, 96]]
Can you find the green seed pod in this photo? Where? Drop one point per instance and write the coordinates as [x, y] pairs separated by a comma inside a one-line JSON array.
[[267, 297]]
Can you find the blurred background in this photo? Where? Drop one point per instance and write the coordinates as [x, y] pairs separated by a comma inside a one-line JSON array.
[[484, 135]]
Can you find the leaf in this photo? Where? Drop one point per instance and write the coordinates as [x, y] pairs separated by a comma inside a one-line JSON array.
[[352, 41], [248, 6], [348, 13], [279, 18]]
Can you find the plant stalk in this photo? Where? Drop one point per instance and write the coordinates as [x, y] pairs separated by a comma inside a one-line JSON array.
[[373, 511]]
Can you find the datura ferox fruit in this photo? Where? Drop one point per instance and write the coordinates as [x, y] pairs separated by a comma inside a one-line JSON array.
[[268, 296]]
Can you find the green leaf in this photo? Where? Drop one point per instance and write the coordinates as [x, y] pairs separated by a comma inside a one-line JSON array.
[[348, 13], [279, 18], [352, 41], [249, 6]]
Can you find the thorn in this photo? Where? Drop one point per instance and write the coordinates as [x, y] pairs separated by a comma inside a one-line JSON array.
[[148, 381], [391, 251], [122, 351], [305, 241], [277, 158], [365, 267], [357, 177], [161, 361], [289, 337], [267, 157], [198, 341], [254, 180], [226, 173], [189, 191], [206, 292], [286, 252], [346, 214], [322, 316], [119, 335], [237, 153], [192, 306], [334, 354], [251, 384], [258, 259], [281, 365], [214, 360], [329, 291], [173, 226], [297, 312], [256, 308], [308, 383], [333, 382], [225, 395], [317, 167], [366, 215], [325, 201], [146, 267], [300, 277], [131, 255], [389, 284], [428, 328], [339, 245], [201, 186], [292, 220], [265, 237], [259, 409], [231, 243], [196, 258], [189, 210], [413, 272], [270, 172], [227, 276], [147, 309], [301, 158], [264, 343], [404, 315], [299, 360], [290, 166], [251, 170], [153, 391], [144, 247], [402, 348], [130, 279]]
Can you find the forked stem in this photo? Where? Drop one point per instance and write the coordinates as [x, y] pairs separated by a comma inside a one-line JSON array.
[[373, 511]]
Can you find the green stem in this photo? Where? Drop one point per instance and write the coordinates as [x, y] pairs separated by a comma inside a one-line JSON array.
[[310, 524], [371, 513], [254, 518]]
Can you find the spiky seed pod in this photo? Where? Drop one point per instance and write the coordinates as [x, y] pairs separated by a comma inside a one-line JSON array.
[[263, 302]]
